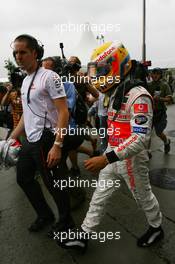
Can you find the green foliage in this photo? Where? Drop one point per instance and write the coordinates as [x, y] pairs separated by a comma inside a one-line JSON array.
[[10, 67]]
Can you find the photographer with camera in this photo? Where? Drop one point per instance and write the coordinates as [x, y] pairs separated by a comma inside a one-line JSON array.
[[11, 101], [81, 84]]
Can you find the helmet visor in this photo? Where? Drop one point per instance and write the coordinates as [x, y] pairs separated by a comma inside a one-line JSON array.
[[98, 69]]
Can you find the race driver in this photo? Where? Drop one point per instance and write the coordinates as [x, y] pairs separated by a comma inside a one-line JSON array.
[[130, 116]]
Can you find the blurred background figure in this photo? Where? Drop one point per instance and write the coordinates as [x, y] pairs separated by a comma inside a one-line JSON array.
[[161, 92]]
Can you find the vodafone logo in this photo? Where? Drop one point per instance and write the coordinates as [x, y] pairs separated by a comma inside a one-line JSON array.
[[105, 54], [140, 108]]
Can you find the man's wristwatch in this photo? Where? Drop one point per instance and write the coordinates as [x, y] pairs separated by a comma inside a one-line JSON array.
[[58, 143]]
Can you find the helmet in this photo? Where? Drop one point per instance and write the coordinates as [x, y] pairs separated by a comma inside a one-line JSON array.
[[109, 64], [9, 151]]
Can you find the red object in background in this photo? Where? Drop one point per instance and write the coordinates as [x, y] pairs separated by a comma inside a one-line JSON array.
[[147, 63]]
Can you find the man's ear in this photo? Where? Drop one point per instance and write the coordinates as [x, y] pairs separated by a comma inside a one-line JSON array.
[[34, 52]]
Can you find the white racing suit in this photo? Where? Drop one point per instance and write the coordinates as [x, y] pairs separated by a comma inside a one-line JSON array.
[[131, 126]]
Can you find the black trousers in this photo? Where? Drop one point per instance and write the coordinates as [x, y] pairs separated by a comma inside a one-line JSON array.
[[33, 157]]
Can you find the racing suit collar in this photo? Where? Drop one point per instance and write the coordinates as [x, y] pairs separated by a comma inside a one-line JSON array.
[[122, 89]]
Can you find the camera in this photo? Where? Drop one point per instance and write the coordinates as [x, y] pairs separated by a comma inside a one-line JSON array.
[[70, 68], [63, 66], [16, 78]]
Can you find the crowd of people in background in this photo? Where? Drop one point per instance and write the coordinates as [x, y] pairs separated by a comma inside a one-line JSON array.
[[159, 85]]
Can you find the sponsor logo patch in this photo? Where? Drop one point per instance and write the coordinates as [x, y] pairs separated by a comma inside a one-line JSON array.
[[141, 119], [140, 108], [105, 54], [141, 130]]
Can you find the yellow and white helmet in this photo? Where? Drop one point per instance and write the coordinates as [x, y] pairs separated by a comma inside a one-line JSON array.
[[109, 64]]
